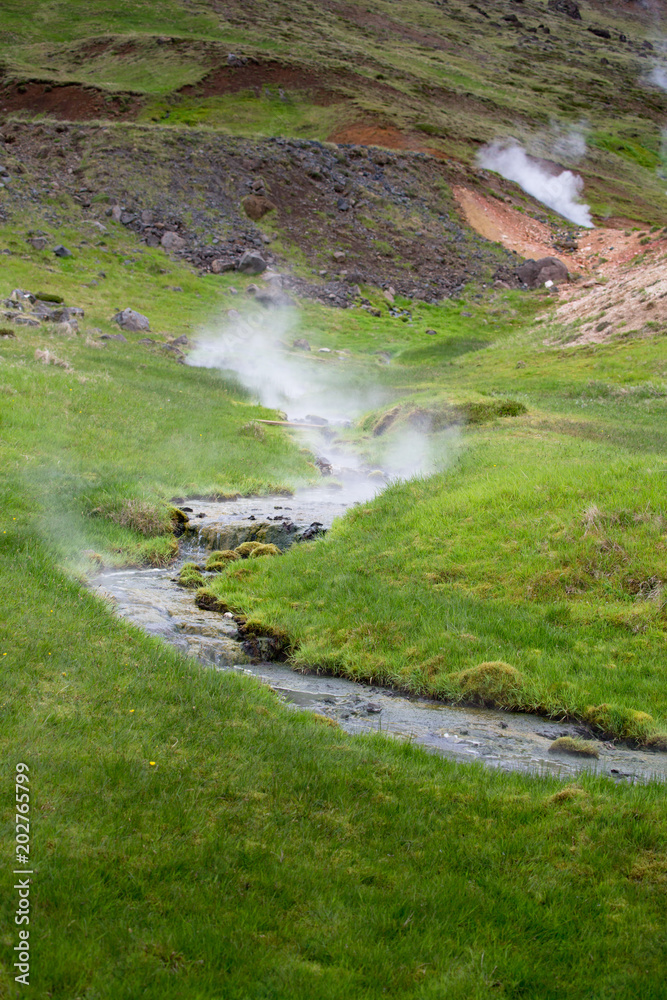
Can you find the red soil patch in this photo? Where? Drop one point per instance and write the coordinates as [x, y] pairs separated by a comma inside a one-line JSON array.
[[368, 134], [256, 76], [604, 250], [70, 101]]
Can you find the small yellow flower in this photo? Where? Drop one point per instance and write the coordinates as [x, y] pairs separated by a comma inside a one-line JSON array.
[[64, 672], [131, 710], [152, 763]]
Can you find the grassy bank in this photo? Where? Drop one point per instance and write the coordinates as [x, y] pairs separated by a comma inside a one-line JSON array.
[[191, 835]]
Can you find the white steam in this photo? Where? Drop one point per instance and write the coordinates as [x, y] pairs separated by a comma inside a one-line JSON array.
[[560, 191], [658, 77], [310, 385]]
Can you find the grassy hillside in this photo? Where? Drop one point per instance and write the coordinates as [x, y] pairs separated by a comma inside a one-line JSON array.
[[418, 75], [190, 834]]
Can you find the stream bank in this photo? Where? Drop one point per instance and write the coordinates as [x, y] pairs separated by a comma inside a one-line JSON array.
[[151, 599]]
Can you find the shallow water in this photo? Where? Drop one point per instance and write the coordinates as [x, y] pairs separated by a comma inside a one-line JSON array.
[[151, 599]]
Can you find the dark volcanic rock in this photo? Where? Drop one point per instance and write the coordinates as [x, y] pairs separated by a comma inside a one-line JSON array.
[[251, 263], [534, 273], [568, 7]]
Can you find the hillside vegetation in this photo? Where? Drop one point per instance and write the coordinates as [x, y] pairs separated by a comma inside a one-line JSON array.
[[191, 834]]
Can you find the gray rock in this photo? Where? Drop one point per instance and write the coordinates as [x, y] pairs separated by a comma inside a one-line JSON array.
[[65, 314], [114, 336], [127, 217], [534, 273], [220, 266], [568, 7], [38, 243], [129, 319], [301, 344], [61, 251], [172, 241], [116, 213], [251, 263]]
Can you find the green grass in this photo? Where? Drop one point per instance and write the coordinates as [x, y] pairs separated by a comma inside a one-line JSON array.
[[191, 835]]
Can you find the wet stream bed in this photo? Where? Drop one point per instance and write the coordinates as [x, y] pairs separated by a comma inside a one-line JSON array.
[[150, 599]]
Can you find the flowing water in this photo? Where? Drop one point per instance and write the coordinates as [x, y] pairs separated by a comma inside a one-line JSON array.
[[151, 599]]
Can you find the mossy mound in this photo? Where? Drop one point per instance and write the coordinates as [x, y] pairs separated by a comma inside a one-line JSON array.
[[570, 744], [428, 419], [492, 683], [623, 723], [190, 577], [245, 549], [217, 561], [208, 601], [265, 550]]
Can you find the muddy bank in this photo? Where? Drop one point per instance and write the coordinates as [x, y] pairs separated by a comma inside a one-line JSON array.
[[152, 600]]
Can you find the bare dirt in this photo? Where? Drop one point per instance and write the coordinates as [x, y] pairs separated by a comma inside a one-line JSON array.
[[624, 272], [70, 101]]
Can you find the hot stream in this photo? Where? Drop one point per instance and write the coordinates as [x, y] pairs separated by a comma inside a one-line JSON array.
[[150, 599]]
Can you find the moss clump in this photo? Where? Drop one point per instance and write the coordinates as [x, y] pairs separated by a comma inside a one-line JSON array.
[[265, 550], [179, 520], [623, 723], [190, 577], [245, 549], [217, 561], [571, 744], [492, 683], [209, 601]]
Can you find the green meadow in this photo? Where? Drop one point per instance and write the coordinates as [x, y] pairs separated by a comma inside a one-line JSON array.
[[191, 835]]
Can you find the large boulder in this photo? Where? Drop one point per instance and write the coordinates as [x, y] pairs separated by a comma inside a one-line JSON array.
[[129, 319], [535, 273], [251, 263], [256, 206], [172, 241]]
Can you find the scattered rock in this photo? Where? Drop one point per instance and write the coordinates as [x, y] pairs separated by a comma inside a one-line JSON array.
[[129, 319], [534, 273], [61, 251], [339, 255], [432, 333], [301, 344], [114, 336], [38, 243], [256, 206], [220, 266], [251, 263], [600, 32], [568, 7], [172, 241], [6, 332]]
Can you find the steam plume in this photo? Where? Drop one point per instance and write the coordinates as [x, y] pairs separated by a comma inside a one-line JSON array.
[[256, 348], [558, 191]]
